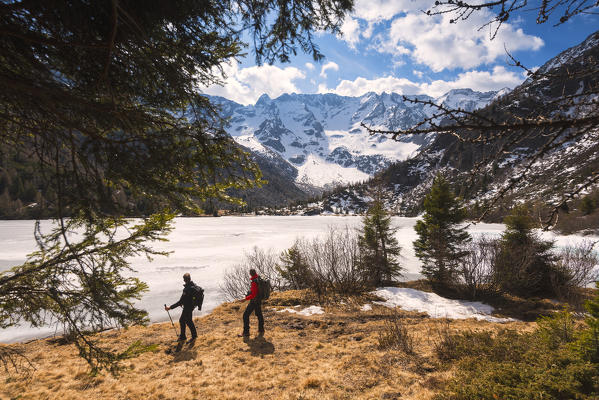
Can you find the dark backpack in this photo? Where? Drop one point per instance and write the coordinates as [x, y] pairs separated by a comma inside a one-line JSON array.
[[264, 288], [198, 296]]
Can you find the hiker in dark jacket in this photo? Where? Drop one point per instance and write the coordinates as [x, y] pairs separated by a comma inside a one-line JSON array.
[[187, 302], [254, 306]]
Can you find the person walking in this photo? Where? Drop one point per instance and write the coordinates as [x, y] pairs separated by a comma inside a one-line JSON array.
[[187, 301], [255, 305]]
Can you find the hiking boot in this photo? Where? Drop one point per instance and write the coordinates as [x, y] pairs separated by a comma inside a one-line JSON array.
[[192, 340], [181, 339]]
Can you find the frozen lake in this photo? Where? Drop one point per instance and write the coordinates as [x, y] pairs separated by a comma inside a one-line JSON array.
[[206, 247]]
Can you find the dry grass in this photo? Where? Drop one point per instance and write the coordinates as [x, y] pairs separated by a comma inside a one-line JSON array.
[[330, 356]]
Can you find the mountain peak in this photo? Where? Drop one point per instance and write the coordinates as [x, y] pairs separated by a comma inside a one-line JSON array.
[[263, 100], [460, 91], [467, 98]]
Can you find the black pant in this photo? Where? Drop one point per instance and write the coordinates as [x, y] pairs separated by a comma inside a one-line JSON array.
[[257, 307], [186, 319]]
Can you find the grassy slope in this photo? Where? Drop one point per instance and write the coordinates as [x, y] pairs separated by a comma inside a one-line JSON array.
[[335, 355]]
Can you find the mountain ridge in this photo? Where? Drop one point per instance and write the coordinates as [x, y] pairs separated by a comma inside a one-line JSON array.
[[320, 135]]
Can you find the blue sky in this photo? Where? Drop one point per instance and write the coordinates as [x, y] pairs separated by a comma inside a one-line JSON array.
[[392, 46]]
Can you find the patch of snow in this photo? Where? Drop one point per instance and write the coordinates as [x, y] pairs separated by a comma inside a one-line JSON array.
[[361, 142], [312, 310], [318, 172], [366, 307], [435, 305], [250, 142]]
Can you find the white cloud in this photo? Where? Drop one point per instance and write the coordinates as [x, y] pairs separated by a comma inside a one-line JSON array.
[[432, 40], [371, 12], [417, 73], [310, 66], [382, 10], [398, 63], [351, 32], [483, 81], [246, 85], [384, 45], [360, 85], [328, 66], [439, 44], [368, 32]]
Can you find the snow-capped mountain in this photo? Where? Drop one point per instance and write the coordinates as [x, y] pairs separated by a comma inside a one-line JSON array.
[[321, 137]]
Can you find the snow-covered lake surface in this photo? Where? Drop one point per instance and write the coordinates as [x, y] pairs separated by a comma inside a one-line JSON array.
[[206, 247]]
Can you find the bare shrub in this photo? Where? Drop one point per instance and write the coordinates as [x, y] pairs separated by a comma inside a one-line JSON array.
[[335, 262], [326, 265], [236, 282], [580, 264], [267, 264], [395, 334], [477, 266]]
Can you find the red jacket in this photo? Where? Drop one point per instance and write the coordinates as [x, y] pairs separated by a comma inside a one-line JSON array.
[[253, 289]]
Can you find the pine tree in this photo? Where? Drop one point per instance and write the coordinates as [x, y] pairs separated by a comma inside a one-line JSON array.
[[379, 246], [440, 241], [294, 268], [525, 264], [587, 205]]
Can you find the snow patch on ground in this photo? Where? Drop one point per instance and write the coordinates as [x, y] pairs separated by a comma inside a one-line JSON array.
[[250, 142], [312, 310], [366, 307], [435, 305]]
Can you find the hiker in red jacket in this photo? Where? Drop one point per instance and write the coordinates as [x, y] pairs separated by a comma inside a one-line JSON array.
[[255, 305]]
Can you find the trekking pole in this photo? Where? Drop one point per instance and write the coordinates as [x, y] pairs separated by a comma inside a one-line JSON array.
[[172, 323]]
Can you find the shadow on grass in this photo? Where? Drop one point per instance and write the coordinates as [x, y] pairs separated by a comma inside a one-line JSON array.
[[259, 346], [183, 352]]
